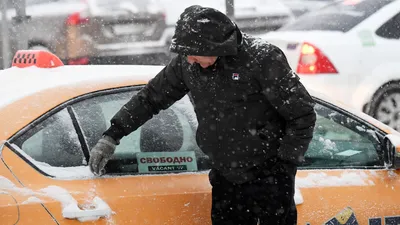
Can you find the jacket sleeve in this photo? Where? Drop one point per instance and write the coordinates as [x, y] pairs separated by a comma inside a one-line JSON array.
[[289, 97], [161, 92]]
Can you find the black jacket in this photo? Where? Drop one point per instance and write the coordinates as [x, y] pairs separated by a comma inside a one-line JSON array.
[[250, 106]]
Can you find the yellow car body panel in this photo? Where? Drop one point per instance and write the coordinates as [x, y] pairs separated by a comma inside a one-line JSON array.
[[326, 195]]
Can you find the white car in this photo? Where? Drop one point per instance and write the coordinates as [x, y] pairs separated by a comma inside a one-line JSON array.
[[350, 51]]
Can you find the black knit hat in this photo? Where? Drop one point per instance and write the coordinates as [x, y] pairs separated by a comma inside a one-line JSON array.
[[204, 31]]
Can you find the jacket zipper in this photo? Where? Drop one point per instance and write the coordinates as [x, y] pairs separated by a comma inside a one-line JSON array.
[[218, 80]]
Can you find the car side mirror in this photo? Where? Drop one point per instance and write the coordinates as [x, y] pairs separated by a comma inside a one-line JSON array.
[[392, 151]]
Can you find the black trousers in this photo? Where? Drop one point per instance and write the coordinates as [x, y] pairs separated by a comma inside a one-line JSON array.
[[268, 200]]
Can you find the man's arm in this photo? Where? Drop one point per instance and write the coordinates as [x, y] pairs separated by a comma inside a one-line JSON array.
[[160, 93], [289, 97]]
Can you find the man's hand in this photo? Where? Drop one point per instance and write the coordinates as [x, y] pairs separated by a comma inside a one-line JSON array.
[[100, 154]]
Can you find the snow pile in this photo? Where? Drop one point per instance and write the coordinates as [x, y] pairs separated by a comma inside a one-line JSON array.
[[298, 197], [94, 210], [7, 185], [324, 180], [313, 180], [89, 212], [77, 172], [203, 21], [31, 200], [328, 144], [21, 82]]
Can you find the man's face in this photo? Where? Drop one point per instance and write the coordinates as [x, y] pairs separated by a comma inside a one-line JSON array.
[[204, 61]]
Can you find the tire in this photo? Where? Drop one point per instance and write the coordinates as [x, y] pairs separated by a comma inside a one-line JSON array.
[[385, 105]]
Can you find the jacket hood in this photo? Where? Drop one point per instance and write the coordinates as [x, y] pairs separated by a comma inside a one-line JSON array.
[[205, 31]]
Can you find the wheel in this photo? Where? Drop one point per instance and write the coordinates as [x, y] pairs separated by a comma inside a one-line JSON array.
[[385, 105], [39, 47]]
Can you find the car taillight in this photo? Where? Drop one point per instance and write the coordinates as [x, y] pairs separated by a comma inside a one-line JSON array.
[[79, 61], [313, 61], [76, 19]]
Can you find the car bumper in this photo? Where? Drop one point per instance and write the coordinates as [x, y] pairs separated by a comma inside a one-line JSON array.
[[144, 52]]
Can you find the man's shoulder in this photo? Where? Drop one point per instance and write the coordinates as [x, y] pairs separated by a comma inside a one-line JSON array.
[[259, 48], [256, 44]]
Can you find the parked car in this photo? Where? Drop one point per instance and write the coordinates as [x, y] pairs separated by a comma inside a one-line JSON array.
[[94, 31], [349, 51], [252, 16], [158, 175], [300, 7]]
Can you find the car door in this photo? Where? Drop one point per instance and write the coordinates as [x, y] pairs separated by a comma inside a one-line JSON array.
[[380, 49], [16, 206], [344, 179], [152, 179], [157, 174]]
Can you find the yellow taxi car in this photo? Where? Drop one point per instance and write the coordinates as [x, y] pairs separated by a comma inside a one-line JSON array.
[[51, 115]]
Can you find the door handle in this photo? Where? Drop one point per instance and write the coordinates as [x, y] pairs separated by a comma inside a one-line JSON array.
[[93, 211]]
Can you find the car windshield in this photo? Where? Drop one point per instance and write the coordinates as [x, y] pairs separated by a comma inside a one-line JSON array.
[[339, 16]]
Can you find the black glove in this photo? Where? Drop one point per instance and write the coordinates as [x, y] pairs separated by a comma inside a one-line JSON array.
[[100, 154]]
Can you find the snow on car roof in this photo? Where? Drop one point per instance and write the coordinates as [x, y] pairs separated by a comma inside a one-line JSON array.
[[17, 83]]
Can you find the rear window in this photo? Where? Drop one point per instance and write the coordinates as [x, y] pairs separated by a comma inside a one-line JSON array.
[[339, 16]]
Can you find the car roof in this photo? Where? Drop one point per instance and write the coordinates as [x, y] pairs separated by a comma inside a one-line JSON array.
[[28, 93]]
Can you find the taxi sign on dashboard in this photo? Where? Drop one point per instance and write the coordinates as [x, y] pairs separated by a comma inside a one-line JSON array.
[[153, 162]]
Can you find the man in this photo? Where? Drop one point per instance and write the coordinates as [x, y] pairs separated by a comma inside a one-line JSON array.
[[255, 117]]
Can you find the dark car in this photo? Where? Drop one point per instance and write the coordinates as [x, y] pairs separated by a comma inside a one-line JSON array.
[[92, 31]]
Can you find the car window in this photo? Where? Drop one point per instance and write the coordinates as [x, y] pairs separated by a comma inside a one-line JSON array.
[[54, 142], [340, 141], [165, 143], [390, 29], [340, 16]]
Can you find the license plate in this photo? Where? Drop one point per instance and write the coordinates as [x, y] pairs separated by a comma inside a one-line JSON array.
[[124, 29]]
